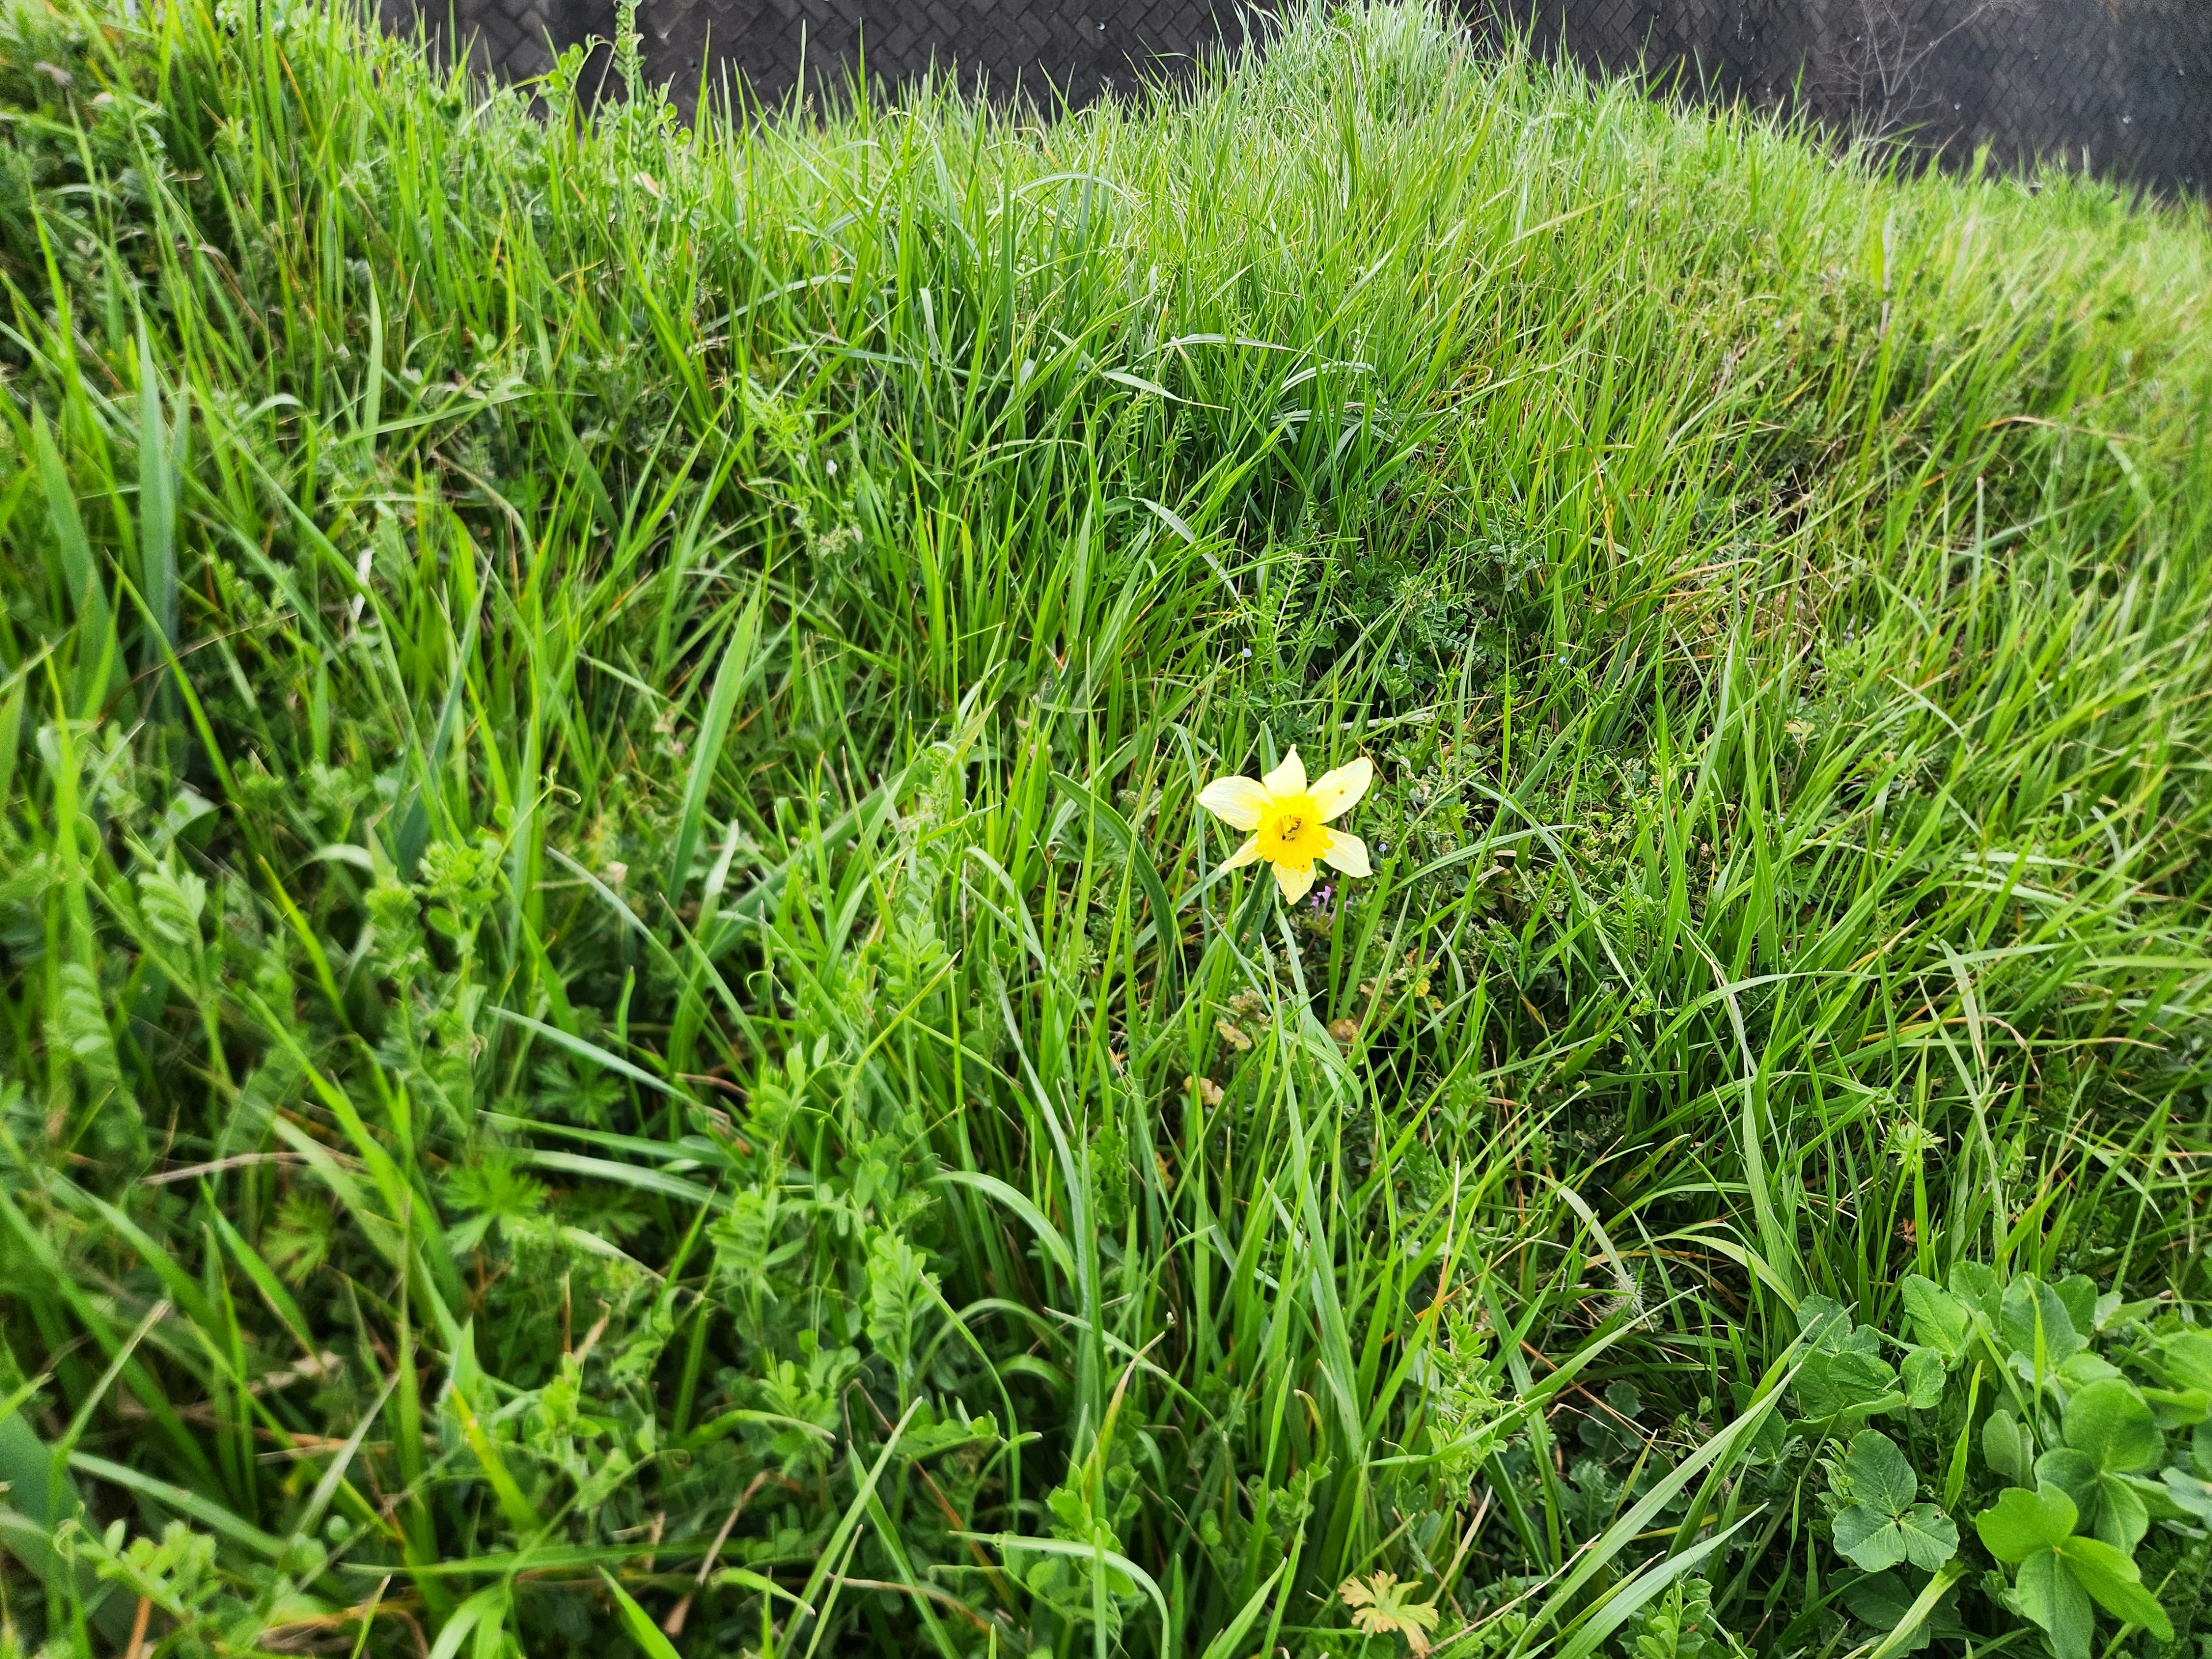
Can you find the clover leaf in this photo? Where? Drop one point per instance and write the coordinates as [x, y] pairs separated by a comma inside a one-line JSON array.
[[1924, 1377], [1848, 1384], [2111, 1436], [2085, 1368], [1883, 1599], [2079, 1292], [2178, 1408], [1977, 1286], [2110, 1424], [2007, 1445], [2023, 1522], [2061, 1575], [1941, 1321], [1883, 1525], [2184, 1359], [2187, 1356], [2038, 1327], [1825, 1323], [2190, 1492], [1844, 1373], [2188, 1485]]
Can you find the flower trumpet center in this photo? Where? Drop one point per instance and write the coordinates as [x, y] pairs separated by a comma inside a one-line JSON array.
[[1291, 831]]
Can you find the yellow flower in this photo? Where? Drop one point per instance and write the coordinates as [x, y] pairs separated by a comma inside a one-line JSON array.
[[1289, 820]]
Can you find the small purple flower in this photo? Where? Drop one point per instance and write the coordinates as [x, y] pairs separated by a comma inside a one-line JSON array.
[[1324, 895]]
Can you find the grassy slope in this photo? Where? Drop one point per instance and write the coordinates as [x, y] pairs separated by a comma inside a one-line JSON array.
[[599, 734]]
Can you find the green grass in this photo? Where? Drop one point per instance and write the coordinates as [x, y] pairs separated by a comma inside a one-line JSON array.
[[616, 1012]]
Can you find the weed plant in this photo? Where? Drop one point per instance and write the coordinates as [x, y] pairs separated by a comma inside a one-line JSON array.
[[620, 1027]]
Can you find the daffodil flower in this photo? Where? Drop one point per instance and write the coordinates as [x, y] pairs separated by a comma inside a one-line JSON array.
[[1288, 819]]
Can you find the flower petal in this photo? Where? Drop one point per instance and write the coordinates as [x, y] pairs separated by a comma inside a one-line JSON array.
[[1347, 854], [1339, 791], [1289, 778], [1236, 801], [1248, 853], [1295, 879]]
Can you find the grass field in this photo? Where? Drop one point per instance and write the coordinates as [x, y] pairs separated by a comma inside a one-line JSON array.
[[622, 1031]]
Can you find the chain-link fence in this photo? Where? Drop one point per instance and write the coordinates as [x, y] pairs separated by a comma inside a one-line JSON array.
[[2124, 87], [1052, 49]]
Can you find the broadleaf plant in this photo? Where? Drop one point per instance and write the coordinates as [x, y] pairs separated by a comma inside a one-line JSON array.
[[1885, 1526], [2073, 1399], [2062, 1574]]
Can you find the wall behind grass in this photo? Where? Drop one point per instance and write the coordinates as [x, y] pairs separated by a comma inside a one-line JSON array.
[[2124, 87]]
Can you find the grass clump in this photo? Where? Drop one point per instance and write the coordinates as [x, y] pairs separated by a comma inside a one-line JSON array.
[[619, 1026]]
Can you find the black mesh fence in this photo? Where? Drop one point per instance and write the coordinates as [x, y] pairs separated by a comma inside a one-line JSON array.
[[2122, 86]]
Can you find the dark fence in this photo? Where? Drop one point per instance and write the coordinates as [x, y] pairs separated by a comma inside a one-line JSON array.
[[2123, 87], [1052, 48]]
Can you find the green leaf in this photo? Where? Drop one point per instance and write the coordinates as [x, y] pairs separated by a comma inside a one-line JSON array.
[[2116, 1582], [2086, 1368], [2157, 1501], [1883, 1526], [1840, 1380], [2192, 1492], [2022, 1522], [1939, 1318], [1978, 1288], [81, 566], [2006, 1446], [1882, 1600], [2122, 1516], [1878, 1473], [1225, 1644], [1931, 1537], [1924, 1375], [1681, 1624], [740, 665], [2109, 1433], [1924, 1536], [2060, 1574], [642, 1630], [2111, 1508], [157, 504], [2072, 1473], [2036, 1325], [2051, 1595], [2186, 1357], [2079, 1292], [2112, 1425], [2178, 1408], [482, 1616], [1868, 1539], [1825, 1323], [1887, 1601]]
